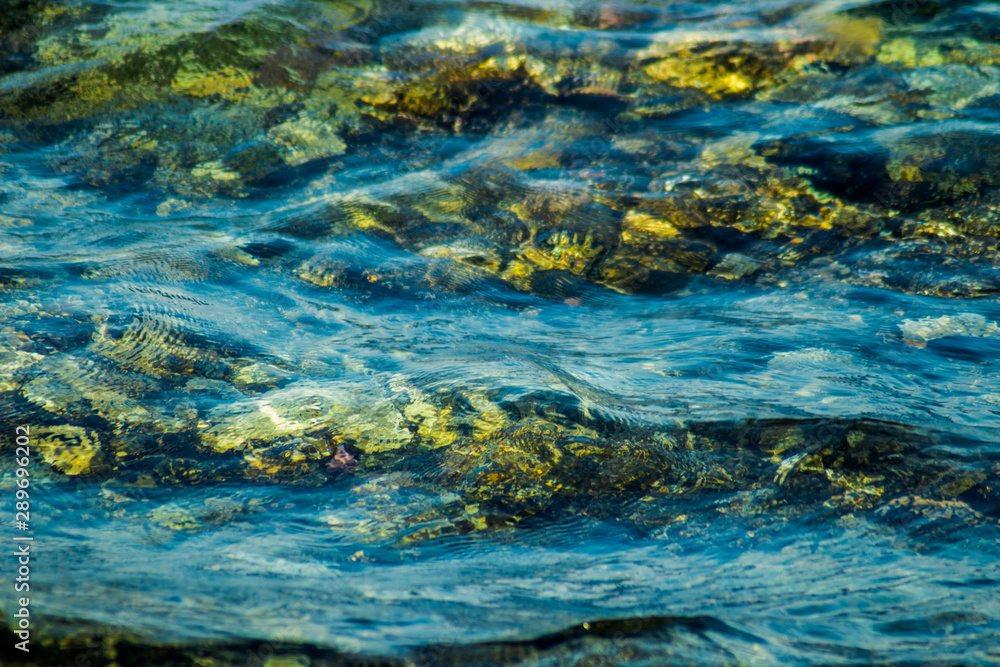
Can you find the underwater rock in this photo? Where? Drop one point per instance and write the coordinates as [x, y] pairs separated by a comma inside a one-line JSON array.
[[226, 139], [719, 69], [730, 69], [877, 95], [955, 86], [304, 139], [522, 467], [260, 376], [77, 387], [23, 23], [930, 521], [211, 513], [734, 266], [567, 232], [15, 357], [966, 324], [509, 458], [906, 167], [309, 414], [928, 50], [155, 347], [71, 450], [454, 96]]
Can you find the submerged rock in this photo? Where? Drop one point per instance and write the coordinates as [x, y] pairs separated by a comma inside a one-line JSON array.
[[71, 450], [14, 360], [490, 457], [966, 324], [905, 168], [634, 156], [719, 69], [288, 431]]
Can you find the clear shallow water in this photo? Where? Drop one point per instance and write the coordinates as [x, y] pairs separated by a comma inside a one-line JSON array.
[[795, 592], [701, 347]]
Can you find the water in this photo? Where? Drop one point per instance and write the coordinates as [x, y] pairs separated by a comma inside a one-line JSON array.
[[650, 333]]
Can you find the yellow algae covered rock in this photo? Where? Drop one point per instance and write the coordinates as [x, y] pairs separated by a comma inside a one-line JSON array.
[[257, 376], [304, 139], [69, 385], [639, 227], [23, 22], [434, 425], [915, 52], [346, 410], [523, 464], [91, 91], [135, 56], [444, 420], [296, 660], [717, 68], [155, 347], [213, 512], [452, 92], [737, 68], [70, 449], [904, 50], [229, 83], [575, 251]]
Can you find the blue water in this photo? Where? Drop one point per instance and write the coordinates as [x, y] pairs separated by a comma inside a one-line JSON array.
[[169, 227]]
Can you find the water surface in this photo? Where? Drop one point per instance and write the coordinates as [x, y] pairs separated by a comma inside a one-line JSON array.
[[486, 332]]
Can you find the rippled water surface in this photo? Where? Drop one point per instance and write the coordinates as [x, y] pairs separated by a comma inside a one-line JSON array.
[[502, 332]]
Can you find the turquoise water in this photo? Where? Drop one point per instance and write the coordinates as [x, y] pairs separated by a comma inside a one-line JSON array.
[[658, 332]]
